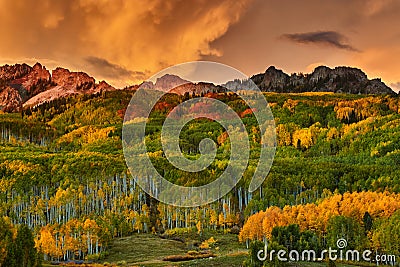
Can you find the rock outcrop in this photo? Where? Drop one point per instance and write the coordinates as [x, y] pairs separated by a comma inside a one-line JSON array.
[[10, 99], [322, 79], [33, 83]]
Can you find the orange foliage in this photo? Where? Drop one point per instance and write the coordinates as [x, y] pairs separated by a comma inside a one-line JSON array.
[[315, 216], [248, 111], [163, 106], [222, 138], [75, 236]]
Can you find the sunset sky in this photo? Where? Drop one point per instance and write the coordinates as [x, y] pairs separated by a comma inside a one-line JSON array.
[[125, 41]]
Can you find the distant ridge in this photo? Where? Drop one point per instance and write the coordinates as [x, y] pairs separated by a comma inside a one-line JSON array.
[[176, 85], [22, 85]]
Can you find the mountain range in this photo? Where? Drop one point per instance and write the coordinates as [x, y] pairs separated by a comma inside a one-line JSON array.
[[22, 85]]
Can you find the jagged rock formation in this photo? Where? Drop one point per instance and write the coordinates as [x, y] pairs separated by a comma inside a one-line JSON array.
[[322, 79], [10, 99], [34, 82], [9, 73], [22, 85], [72, 80], [20, 82]]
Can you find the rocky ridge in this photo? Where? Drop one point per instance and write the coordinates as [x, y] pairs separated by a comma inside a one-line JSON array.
[[22, 85], [322, 79]]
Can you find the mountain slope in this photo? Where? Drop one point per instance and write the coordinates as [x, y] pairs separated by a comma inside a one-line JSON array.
[[66, 83]]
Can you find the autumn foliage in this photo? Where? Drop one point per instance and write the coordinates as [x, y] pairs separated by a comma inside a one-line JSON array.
[[315, 217], [63, 174]]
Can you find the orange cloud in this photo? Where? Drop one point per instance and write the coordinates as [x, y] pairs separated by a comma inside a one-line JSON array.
[[136, 36]]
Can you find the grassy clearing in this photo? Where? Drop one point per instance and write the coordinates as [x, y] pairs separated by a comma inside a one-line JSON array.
[[149, 251], [143, 248]]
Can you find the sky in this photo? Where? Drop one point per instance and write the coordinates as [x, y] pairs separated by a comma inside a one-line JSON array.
[[128, 41]]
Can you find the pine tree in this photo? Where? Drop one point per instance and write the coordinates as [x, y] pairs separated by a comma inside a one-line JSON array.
[[25, 248], [12, 258], [6, 243], [367, 219]]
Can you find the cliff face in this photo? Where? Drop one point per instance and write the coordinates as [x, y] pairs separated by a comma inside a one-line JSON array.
[[19, 83], [10, 99], [22, 85], [322, 79]]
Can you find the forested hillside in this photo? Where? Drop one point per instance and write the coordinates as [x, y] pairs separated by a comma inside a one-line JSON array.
[[63, 174]]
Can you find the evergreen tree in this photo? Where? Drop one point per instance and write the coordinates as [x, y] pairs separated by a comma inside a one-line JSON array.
[[13, 257], [25, 248], [367, 219]]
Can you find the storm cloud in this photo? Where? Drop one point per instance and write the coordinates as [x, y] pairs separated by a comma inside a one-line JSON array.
[[323, 38], [102, 67]]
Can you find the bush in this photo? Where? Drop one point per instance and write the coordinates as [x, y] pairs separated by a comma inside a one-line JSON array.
[[209, 243]]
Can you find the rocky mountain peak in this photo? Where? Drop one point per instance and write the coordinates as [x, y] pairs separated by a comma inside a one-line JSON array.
[[39, 76], [320, 72], [37, 66], [168, 82], [273, 71], [103, 86], [72, 80], [11, 72], [275, 78]]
